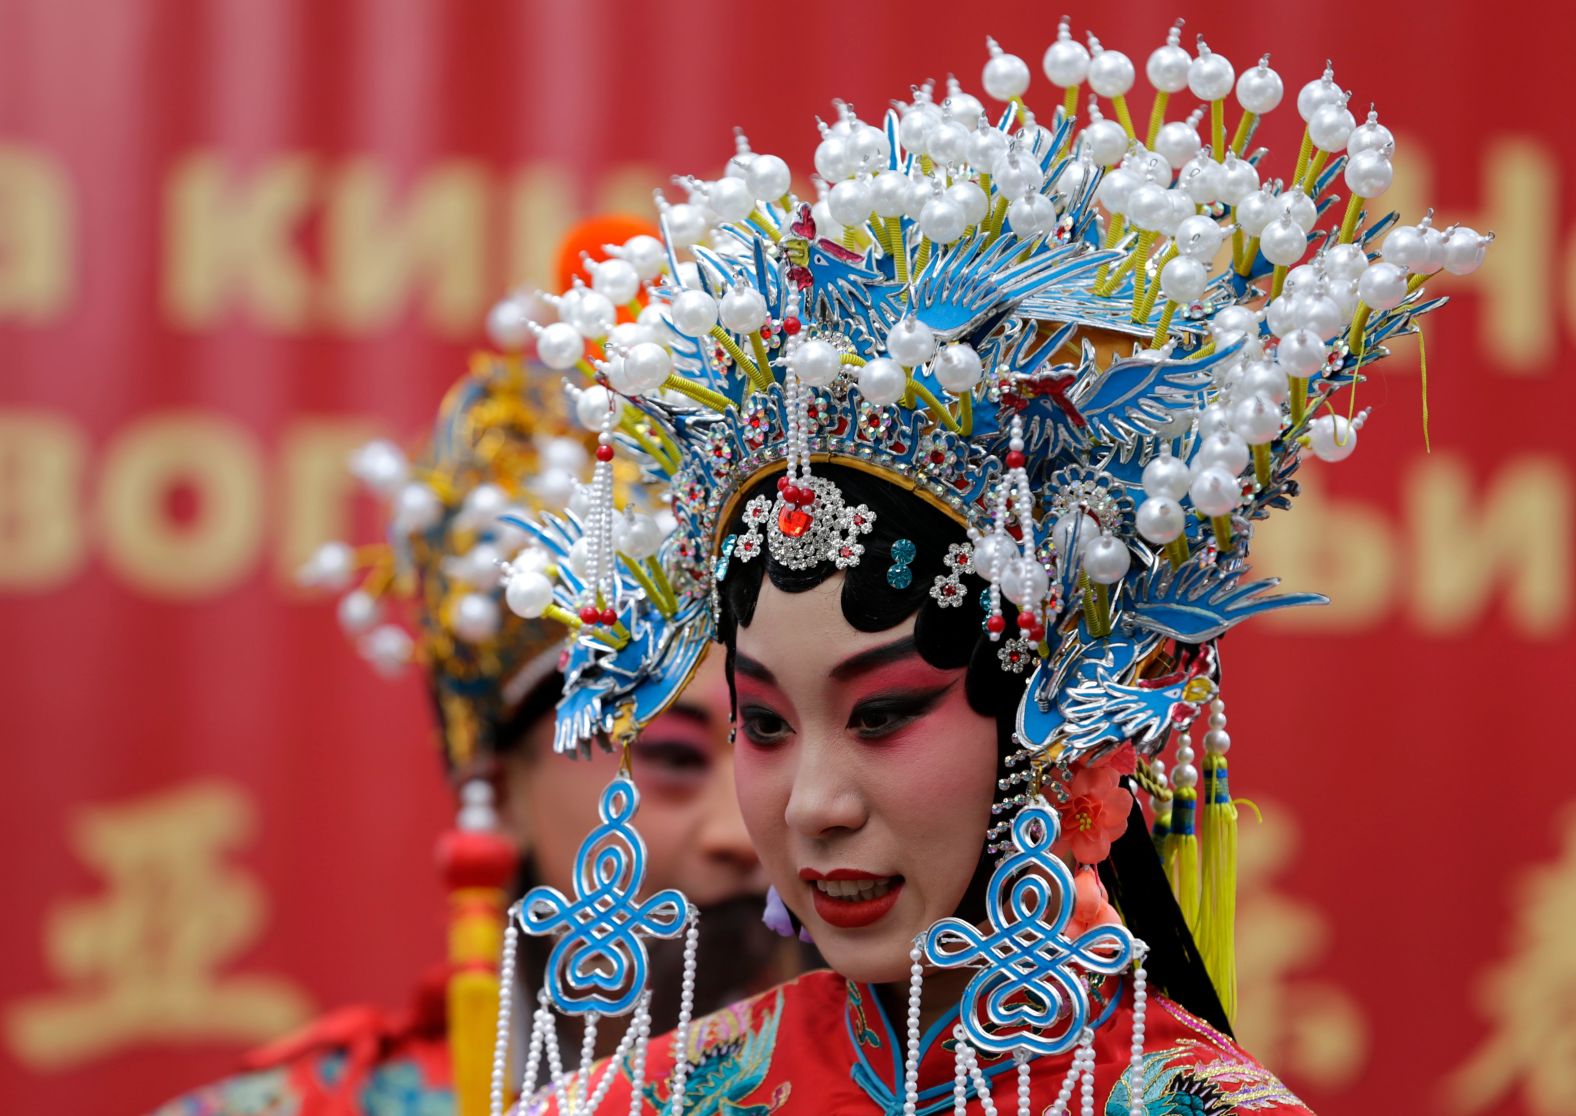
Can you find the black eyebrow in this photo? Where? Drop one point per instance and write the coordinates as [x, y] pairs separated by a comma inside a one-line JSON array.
[[743, 664], [866, 661], [696, 714]]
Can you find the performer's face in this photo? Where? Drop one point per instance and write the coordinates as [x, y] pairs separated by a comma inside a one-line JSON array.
[[689, 817], [865, 777]]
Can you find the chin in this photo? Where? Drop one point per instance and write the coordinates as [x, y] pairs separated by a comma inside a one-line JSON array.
[[868, 962]]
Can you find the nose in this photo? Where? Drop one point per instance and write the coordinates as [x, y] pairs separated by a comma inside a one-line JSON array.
[[825, 799], [722, 839]]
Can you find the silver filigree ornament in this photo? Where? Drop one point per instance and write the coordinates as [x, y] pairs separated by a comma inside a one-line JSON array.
[[801, 536]]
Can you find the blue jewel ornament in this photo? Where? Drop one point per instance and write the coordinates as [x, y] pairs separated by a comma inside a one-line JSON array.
[[1026, 995], [599, 964], [899, 576]]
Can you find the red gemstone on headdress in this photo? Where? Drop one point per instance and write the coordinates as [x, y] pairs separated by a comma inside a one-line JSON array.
[[997, 623], [1026, 621], [784, 483], [609, 617], [766, 331], [589, 615], [1015, 459], [790, 326], [793, 522], [804, 497], [604, 453], [937, 457]]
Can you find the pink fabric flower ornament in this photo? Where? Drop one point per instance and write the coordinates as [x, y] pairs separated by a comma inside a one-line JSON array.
[[1094, 815]]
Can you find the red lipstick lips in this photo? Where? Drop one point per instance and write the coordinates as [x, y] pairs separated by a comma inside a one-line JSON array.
[[848, 898]]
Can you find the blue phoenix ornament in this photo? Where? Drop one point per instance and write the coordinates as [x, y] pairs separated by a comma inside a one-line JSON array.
[[1027, 995], [599, 964]]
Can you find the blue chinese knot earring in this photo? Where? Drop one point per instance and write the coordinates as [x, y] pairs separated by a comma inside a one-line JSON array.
[[1030, 996], [598, 966]]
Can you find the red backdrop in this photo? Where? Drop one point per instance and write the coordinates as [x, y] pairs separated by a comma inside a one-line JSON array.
[[235, 238]]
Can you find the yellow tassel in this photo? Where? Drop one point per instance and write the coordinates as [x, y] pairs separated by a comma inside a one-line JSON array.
[[1182, 869], [474, 941], [1216, 935]]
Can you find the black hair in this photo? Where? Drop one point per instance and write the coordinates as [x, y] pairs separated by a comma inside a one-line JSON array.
[[954, 638]]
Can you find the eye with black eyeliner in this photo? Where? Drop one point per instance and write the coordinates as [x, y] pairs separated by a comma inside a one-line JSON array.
[[881, 715], [762, 727]]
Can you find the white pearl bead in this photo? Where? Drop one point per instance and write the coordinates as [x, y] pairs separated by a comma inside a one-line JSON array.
[[1184, 775], [1213, 419], [1106, 559], [1005, 76], [592, 314], [1298, 208], [637, 536], [963, 107], [882, 381], [1148, 207], [1264, 379], [831, 159], [1223, 449], [1316, 94], [991, 555], [1210, 76], [1215, 491], [591, 406], [889, 194], [357, 612], [1232, 322], [694, 312], [958, 368], [1370, 136], [1318, 313], [850, 202], [815, 362], [687, 224], [560, 345], [645, 369], [914, 128], [1105, 141], [1160, 519], [1183, 279], [1217, 742], [1239, 179], [1166, 477], [1066, 61], [1203, 180], [475, 618], [911, 342], [1178, 142], [1383, 286], [1116, 189], [948, 142], [1256, 210], [509, 324], [1332, 437], [1167, 68], [380, 465], [1330, 126], [1464, 250], [1025, 583], [1259, 89], [416, 508], [942, 219], [617, 279], [1258, 420], [1301, 352], [1032, 216], [971, 199], [1369, 174], [1283, 242], [742, 310], [1111, 73], [1015, 176], [768, 177]]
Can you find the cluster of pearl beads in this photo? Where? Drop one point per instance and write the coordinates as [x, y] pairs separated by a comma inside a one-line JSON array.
[[1011, 567], [680, 1045], [600, 583]]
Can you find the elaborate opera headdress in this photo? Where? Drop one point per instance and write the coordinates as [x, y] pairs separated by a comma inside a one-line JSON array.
[[1103, 352]]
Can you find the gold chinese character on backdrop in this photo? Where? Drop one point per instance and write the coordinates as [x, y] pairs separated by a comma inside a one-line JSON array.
[[1530, 999], [146, 960], [1297, 1025]]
